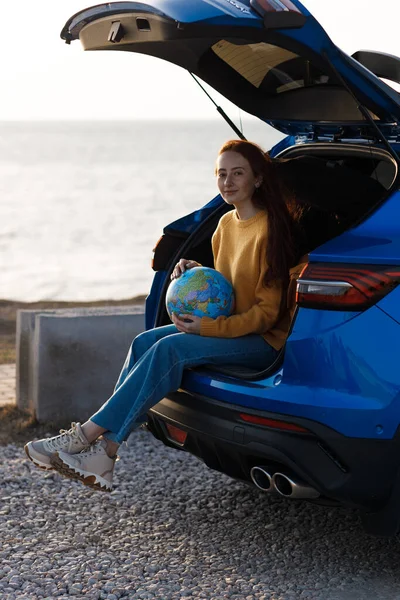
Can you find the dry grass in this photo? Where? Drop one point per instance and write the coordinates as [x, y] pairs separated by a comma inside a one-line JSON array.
[[19, 426], [7, 349]]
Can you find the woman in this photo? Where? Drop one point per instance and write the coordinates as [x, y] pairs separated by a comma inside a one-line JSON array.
[[254, 248]]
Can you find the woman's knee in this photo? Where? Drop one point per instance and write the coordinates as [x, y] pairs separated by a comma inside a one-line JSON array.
[[152, 339], [142, 342], [173, 347]]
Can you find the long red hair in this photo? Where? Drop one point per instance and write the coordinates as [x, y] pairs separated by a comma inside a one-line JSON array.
[[272, 197]]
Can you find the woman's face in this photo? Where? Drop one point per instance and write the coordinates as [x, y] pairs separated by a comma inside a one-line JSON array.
[[235, 178]]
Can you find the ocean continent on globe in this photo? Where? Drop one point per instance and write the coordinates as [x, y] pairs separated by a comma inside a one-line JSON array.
[[200, 291]]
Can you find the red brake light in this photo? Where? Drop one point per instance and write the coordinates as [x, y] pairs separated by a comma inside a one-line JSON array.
[[335, 286], [176, 434], [273, 423]]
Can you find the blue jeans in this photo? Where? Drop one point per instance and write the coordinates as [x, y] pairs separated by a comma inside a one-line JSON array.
[[154, 367]]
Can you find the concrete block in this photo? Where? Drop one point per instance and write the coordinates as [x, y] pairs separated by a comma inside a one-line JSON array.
[[69, 360], [26, 320], [24, 373]]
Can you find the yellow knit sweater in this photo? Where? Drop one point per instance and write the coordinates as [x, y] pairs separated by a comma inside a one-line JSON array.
[[239, 248]]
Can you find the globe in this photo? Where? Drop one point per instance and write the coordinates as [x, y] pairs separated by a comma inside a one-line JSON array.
[[200, 291]]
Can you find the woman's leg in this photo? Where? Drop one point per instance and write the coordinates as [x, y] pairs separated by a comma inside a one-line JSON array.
[[78, 437], [139, 346], [159, 371]]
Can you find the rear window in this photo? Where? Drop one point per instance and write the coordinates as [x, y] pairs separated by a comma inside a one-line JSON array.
[[269, 68]]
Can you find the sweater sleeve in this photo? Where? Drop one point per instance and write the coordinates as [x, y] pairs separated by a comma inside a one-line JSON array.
[[261, 317]]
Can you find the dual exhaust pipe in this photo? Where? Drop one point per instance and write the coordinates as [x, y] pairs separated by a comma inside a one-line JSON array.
[[285, 485]]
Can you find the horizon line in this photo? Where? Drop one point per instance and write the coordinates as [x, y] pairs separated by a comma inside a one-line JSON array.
[[119, 119]]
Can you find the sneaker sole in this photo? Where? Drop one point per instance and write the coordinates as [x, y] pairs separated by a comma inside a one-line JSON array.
[[36, 461], [88, 479]]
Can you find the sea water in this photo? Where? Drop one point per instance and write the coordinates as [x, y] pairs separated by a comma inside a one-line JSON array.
[[82, 204]]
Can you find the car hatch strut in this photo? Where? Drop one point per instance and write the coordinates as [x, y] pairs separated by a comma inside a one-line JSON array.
[[220, 110], [364, 111]]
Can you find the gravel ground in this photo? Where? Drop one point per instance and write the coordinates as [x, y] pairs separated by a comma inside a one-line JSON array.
[[174, 530]]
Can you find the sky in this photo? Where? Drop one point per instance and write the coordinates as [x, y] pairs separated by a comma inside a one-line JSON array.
[[43, 78]]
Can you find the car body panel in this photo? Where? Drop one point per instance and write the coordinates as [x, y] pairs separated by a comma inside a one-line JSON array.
[[390, 304], [152, 299], [374, 241], [332, 375]]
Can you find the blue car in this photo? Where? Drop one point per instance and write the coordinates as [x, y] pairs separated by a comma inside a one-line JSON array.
[[322, 424]]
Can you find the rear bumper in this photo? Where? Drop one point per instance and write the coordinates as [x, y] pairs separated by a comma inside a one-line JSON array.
[[353, 471]]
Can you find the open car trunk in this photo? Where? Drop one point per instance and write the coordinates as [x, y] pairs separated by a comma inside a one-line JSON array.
[[275, 61], [272, 59], [337, 186]]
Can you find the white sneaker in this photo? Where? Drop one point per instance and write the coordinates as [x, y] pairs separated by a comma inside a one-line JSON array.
[[93, 466], [71, 441]]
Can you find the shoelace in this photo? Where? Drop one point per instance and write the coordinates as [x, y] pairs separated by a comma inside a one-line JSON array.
[[93, 449], [96, 448], [57, 442]]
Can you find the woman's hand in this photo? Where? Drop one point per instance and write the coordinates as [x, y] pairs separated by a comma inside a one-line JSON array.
[[182, 266], [182, 324]]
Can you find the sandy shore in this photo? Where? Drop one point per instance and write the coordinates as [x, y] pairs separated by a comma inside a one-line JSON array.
[[8, 316]]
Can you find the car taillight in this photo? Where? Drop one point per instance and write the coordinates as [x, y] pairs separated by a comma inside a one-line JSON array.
[[272, 423], [154, 251], [175, 434], [333, 286]]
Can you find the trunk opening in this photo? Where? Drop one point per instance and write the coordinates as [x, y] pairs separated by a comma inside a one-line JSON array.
[[337, 186]]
